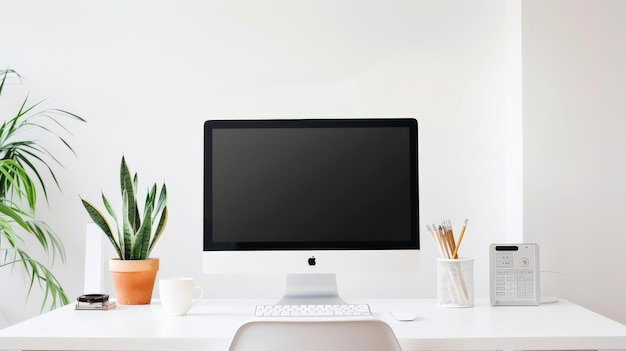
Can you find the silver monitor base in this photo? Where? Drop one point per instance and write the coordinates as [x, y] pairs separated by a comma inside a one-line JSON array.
[[311, 289]]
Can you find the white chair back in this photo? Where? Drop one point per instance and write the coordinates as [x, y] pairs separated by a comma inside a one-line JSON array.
[[341, 335]]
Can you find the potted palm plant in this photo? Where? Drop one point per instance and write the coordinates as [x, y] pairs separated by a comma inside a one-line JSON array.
[[26, 166], [133, 237]]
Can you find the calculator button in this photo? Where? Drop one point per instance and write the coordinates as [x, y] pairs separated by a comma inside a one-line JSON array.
[[524, 261]]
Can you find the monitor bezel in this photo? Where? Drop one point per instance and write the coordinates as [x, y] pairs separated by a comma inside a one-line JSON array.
[[409, 123]]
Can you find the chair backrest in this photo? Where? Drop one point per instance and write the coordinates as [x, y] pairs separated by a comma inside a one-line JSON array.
[[341, 335]]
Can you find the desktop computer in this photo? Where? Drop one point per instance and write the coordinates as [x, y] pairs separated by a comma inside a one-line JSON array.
[[309, 198]]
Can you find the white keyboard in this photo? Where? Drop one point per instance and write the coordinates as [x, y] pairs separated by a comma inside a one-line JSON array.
[[312, 310]]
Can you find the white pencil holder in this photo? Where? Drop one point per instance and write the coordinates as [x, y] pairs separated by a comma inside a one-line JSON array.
[[455, 282]]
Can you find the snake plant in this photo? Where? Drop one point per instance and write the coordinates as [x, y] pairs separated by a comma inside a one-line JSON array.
[[25, 165], [135, 234]]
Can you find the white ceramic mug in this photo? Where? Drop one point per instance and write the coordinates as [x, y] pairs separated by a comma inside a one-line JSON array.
[[178, 295]]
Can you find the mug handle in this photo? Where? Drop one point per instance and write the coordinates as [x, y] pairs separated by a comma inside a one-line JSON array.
[[200, 295]]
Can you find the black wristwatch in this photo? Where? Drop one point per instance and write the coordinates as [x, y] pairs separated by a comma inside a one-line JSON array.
[[94, 298]]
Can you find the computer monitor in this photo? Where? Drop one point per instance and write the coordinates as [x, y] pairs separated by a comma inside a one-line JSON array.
[[310, 198]]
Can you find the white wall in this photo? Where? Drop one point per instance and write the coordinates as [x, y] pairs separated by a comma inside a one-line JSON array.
[[146, 74], [574, 103]]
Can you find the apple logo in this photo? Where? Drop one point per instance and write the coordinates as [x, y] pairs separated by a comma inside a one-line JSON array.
[[311, 261]]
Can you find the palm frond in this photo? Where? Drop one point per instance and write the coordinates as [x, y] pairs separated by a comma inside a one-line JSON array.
[[38, 272]]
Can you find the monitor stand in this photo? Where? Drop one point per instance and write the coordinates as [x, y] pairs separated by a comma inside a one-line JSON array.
[[311, 289]]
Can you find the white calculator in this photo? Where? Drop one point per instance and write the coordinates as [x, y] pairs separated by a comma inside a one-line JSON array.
[[514, 278]]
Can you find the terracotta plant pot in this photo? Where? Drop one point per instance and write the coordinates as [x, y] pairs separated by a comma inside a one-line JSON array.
[[134, 280]]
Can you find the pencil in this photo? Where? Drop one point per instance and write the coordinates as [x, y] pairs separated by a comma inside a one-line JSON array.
[[444, 242], [436, 240], [450, 237], [456, 251]]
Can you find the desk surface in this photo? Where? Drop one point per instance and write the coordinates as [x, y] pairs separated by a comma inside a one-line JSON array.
[[211, 324]]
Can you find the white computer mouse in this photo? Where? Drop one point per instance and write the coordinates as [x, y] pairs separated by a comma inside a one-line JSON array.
[[403, 316]]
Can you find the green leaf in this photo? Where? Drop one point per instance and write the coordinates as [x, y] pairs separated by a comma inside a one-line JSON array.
[[142, 241], [103, 224], [41, 274], [15, 177], [160, 229], [15, 213], [162, 199], [111, 211], [127, 186], [128, 231]]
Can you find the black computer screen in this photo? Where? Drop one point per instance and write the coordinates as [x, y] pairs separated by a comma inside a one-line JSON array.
[[311, 184]]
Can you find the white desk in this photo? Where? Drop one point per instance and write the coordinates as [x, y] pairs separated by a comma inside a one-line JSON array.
[[211, 324]]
